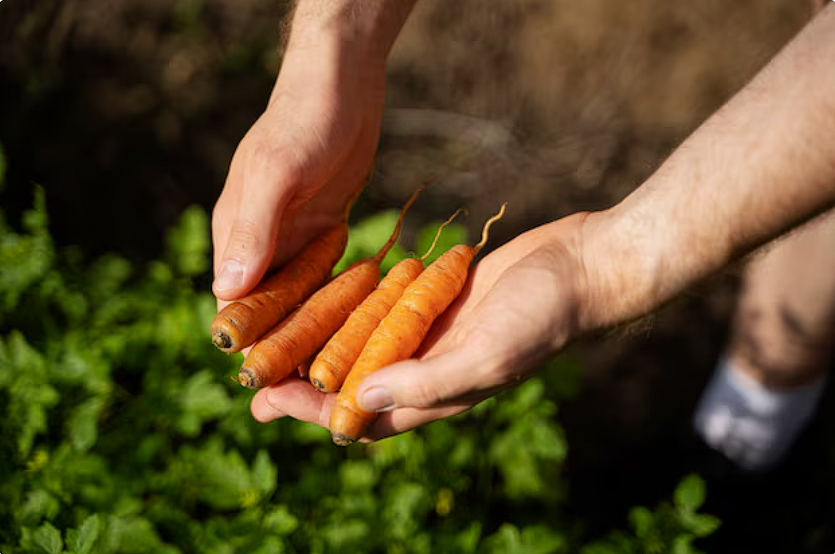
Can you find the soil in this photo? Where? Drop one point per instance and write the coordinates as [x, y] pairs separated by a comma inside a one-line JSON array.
[[127, 112]]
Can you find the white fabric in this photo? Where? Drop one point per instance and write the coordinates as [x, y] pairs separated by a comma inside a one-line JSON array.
[[751, 424]]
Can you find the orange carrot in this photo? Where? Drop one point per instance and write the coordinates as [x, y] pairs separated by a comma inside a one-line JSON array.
[[401, 332], [244, 321], [334, 361], [296, 339]]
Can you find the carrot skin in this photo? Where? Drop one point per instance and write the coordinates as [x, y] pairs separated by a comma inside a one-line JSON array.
[[296, 339], [334, 361], [244, 321], [399, 335]]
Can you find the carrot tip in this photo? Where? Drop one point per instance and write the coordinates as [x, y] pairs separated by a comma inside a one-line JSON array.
[[247, 378], [341, 440], [318, 384], [222, 340]]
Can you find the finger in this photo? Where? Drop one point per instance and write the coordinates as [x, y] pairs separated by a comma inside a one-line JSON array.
[[250, 242], [262, 410], [447, 378], [405, 419], [295, 398]]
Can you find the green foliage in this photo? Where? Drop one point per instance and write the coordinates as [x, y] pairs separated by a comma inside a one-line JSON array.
[[368, 235], [672, 528], [122, 432]]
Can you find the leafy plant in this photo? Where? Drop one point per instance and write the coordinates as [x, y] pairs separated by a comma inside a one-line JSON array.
[[122, 432], [671, 528]]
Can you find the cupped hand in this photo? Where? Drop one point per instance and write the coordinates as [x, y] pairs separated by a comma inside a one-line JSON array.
[[302, 162], [521, 303]]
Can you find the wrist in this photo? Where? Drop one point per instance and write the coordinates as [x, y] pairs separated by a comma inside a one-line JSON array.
[[622, 273]]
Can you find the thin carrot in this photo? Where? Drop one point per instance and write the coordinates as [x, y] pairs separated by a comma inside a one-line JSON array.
[[296, 339], [401, 332], [334, 361]]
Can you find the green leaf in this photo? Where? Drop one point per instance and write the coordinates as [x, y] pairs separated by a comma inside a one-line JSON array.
[[506, 540], [48, 538], [188, 243], [700, 525], [281, 521], [132, 535], [86, 537], [541, 539], [357, 475], [642, 521], [221, 479], [36, 220], [39, 504], [83, 424], [264, 474], [689, 494], [681, 545], [202, 399]]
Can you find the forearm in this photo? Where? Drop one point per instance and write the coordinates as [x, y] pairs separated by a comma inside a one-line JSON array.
[[761, 165], [365, 26]]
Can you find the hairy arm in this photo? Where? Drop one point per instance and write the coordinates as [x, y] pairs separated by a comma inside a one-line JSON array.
[[310, 152], [761, 165]]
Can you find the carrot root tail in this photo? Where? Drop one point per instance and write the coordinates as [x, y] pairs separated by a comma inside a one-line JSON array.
[[246, 377], [378, 257], [222, 340], [341, 440], [485, 232]]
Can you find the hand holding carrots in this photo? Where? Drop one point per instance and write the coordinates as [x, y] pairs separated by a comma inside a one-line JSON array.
[[300, 164], [519, 304]]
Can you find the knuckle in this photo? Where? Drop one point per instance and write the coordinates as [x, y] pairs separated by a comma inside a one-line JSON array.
[[280, 161], [426, 394], [244, 238]]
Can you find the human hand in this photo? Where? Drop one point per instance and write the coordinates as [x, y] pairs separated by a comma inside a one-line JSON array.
[[521, 303], [302, 162]]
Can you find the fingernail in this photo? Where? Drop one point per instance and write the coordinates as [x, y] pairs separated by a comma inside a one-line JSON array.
[[376, 399], [231, 276]]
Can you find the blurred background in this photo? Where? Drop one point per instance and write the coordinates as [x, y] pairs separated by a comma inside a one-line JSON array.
[[126, 113]]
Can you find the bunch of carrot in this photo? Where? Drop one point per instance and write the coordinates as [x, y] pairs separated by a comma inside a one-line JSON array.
[[350, 326]]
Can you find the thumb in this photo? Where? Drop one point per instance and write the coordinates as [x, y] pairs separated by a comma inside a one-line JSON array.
[[250, 239], [443, 379]]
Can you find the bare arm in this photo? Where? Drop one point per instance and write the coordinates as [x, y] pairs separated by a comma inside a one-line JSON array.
[[310, 151], [762, 164]]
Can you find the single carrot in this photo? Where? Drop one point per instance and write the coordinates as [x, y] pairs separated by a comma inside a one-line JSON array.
[[334, 361], [402, 330], [296, 339]]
